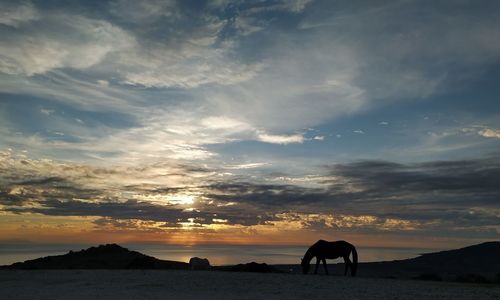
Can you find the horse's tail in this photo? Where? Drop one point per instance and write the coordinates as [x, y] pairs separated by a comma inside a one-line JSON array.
[[354, 265]]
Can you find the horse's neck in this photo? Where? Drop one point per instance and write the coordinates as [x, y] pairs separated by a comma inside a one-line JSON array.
[[309, 255]]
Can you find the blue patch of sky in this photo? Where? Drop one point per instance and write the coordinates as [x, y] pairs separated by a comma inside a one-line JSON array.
[[34, 115], [135, 95]]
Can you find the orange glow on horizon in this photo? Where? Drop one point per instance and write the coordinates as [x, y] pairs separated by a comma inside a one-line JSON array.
[[54, 229]]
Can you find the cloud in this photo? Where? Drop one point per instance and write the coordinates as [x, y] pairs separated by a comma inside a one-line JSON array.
[[144, 11], [383, 123], [17, 14], [225, 123], [489, 133], [189, 59], [316, 89], [319, 138], [247, 25], [280, 139], [83, 43], [358, 196], [203, 67], [340, 221], [359, 131], [47, 112], [293, 6], [269, 199], [456, 34], [103, 83], [296, 5], [467, 182], [341, 68], [232, 74], [250, 20], [245, 166], [192, 56]]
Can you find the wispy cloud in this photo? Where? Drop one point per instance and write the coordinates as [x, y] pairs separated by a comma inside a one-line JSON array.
[[47, 111], [280, 139], [142, 12], [489, 133], [245, 166], [41, 49], [15, 15]]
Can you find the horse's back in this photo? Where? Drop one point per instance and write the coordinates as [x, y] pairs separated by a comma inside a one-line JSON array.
[[332, 249], [335, 244]]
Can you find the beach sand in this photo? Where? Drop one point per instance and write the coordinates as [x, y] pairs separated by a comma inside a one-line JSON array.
[[160, 284]]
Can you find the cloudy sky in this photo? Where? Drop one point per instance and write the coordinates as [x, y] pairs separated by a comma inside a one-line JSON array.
[[250, 122]]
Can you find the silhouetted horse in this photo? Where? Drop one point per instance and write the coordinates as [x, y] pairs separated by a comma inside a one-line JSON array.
[[324, 250]]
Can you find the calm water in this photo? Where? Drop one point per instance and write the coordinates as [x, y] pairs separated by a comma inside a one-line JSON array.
[[217, 254]]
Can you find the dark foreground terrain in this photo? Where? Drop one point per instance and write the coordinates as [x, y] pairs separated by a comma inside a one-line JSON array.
[[179, 284]]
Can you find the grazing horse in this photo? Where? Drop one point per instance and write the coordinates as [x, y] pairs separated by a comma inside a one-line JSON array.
[[324, 250]]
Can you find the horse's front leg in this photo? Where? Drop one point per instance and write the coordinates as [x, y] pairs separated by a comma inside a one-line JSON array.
[[317, 265], [324, 265], [347, 263]]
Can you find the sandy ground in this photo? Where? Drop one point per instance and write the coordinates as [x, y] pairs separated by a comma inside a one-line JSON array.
[[150, 284]]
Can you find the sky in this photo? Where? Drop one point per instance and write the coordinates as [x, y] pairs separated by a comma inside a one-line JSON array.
[[250, 122]]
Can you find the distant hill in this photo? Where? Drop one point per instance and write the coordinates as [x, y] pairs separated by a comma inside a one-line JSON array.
[[110, 256], [482, 259]]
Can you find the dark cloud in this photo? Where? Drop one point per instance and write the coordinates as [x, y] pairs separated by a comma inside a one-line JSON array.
[[477, 176], [139, 210], [461, 192], [469, 181], [266, 195], [11, 200]]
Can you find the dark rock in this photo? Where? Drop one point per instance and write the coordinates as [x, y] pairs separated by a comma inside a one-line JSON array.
[[196, 263]]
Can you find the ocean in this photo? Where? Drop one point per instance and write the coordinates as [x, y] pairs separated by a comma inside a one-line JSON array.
[[217, 254]]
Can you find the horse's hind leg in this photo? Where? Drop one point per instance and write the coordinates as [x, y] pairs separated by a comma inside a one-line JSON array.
[[324, 265], [317, 265], [347, 263]]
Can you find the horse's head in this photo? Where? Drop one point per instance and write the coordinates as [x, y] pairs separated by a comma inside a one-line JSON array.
[[305, 266]]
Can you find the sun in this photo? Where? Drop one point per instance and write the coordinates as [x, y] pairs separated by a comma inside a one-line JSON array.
[[181, 199]]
